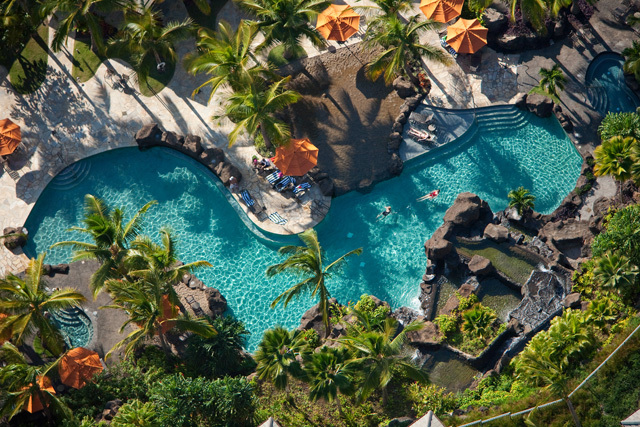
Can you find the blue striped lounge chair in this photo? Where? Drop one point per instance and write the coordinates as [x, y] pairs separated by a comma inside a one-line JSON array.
[[300, 189], [277, 219], [284, 183], [274, 177], [248, 200]]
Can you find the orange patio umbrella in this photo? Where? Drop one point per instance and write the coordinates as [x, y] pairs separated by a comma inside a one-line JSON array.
[[34, 404], [338, 22], [10, 137], [78, 366], [467, 36], [169, 311], [441, 10], [297, 157]]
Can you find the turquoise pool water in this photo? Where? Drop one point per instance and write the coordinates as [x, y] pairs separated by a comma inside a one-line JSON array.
[[606, 87], [75, 326], [494, 157]]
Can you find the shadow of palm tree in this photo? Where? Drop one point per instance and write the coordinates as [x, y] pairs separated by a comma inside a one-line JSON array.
[[35, 73]]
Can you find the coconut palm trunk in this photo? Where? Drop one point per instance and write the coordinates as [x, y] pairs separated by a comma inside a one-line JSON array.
[[576, 420], [265, 136]]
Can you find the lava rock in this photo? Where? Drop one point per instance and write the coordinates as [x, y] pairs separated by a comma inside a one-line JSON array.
[[539, 105], [480, 266], [572, 300], [149, 135], [171, 139], [193, 144], [497, 233], [212, 156], [225, 170], [404, 88], [428, 336], [520, 100], [495, 21], [437, 248], [464, 211], [216, 301], [395, 165], [327, 187], [15, 237]]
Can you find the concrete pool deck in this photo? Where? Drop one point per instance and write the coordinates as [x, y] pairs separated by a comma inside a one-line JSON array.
[[64, 121]]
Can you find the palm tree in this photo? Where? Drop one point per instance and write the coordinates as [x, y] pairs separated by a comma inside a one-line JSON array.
[[533, 11], [28, 306], [538, 368], [253, 109], [329, 372], [83, 14], [159, 263], [380, 356], [382, 10], [147, 40], [286, 22], [601, 312], [552, 80], [111, 236], [147, 307], [615, 271], [570, 337], [308, 261], [521, 199], [277, 356], [226, 56], [478, 321], [21, 381], [613, 157], [401, 44], [632, 60], [635, 166]]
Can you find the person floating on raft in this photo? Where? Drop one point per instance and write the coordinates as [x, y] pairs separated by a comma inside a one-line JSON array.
[[429, 196]]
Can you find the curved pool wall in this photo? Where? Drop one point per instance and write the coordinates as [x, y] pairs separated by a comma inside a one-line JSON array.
[[210, 225], [606, 87]]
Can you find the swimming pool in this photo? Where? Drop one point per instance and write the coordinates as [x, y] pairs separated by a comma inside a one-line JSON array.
[[606, 88], [490, 159]]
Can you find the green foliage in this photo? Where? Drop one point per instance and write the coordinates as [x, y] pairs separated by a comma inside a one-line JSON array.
[[222, 354], [311, 338], [521, 199], [632, 60], [183, 401], [136, 414], [622, 233], [583, 279], [478, 321], [613, 157], [466, 303], [620, 124], [448, 324], [615, 272], [552, 80], [29, 69], [496, 390], [375, 315], [430, 397]]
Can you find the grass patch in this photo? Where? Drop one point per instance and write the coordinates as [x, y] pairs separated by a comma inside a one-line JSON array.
[[202, 19], [85, 61], [156, 80], [29, 69], [276, 55]]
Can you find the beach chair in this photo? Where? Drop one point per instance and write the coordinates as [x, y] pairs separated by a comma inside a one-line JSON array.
[[274, 177], [254, 206], [195, 306], [284, 183], [299, 190], [277, 219]]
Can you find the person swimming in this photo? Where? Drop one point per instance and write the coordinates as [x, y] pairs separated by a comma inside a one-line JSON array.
[[384, 213], [429, 196]]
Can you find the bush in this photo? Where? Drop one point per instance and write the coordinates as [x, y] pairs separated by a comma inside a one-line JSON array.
[[622, 233], [620, 124], [183, 401], [431, 398], [448, 324], [375, 314], [466, 303], [311, 337]]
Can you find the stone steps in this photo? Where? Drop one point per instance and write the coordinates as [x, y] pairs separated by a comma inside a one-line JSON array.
[[71, 176]]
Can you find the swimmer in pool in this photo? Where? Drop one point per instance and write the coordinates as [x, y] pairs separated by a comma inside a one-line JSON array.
[[384, 213]]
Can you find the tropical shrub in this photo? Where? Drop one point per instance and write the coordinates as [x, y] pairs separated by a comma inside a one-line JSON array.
[[466, 303], [183, 401], [376, 315], [521, 199], [448, 324], [620, 124], [430, 397], [622, 233], [136, 414], [614, 271]]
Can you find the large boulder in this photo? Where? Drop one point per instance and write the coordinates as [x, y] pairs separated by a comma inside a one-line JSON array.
[[395, 165], [312, 318], [495, 21], [172, 139], [217, 302], [572, 300], [480, 266], [437, 248], [510, 43], [632, 82], [212, 156], [539, 105], [15, 237], [520, 100], [497, 233], [464, 211], [149, 135], [193, 144], [327, 187], [404, 88], [225, 170], [428, 336], [454, 302]]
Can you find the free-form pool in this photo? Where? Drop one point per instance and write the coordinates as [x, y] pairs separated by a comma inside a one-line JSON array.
[[608, 92], [497, 155]]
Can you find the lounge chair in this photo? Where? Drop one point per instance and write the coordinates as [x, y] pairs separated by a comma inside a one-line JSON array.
[[284, 183], [420, 135], [195, 306], [274, 177], [299, 190], [445, 45], [277, 219], [253, 205]]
